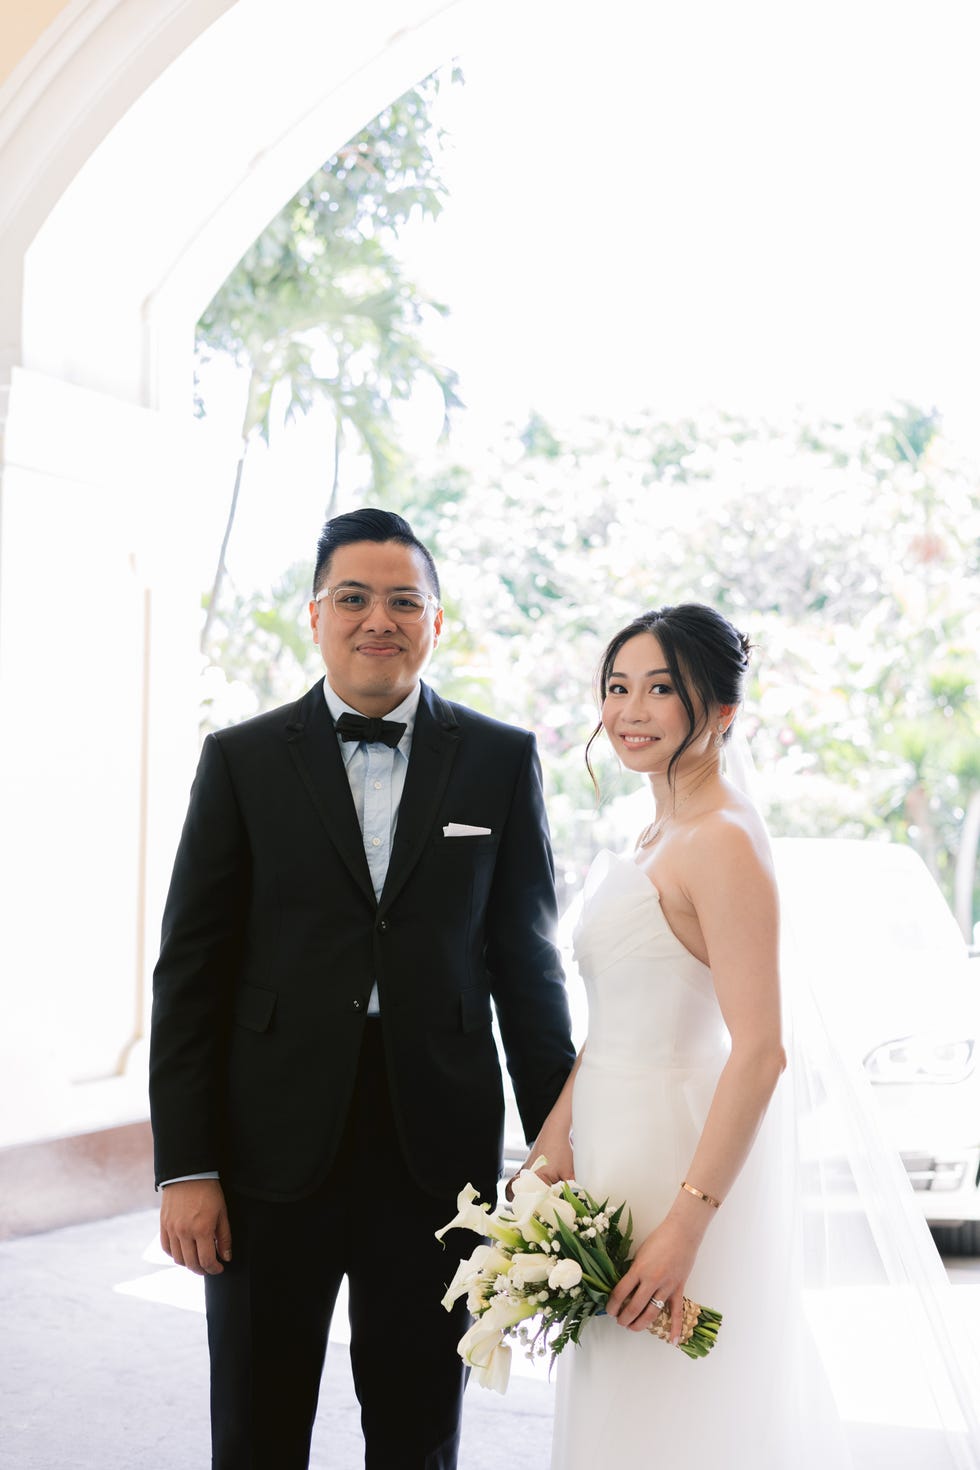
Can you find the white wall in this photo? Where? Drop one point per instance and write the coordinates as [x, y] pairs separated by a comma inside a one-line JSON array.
[[142, 147]]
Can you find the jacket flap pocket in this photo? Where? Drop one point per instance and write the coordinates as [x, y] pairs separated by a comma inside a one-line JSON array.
[[474, 1009], [254, 1007]]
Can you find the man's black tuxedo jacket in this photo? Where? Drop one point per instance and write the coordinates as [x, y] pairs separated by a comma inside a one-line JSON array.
[[272, 937]]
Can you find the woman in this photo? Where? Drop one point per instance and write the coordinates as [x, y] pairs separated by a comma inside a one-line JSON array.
[[667, 1105]]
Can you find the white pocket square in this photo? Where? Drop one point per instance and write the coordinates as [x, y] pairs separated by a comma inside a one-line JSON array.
[[461, 829]]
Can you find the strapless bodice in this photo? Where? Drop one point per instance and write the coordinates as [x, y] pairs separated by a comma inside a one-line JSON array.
[[651, 1002]]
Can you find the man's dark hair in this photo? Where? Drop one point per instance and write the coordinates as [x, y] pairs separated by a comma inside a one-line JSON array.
[[367, 525]]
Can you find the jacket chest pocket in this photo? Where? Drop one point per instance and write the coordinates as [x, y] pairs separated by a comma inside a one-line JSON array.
[[463, 867], [465, 849]]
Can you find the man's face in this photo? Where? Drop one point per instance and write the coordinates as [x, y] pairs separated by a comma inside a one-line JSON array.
[[373, 661]]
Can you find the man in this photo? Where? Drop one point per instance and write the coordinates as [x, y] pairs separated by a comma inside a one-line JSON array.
[[359, 874]]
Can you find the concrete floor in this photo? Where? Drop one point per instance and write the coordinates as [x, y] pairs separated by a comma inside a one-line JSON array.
[[103, 1366]]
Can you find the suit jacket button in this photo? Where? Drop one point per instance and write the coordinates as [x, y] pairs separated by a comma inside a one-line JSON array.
[[383, 926], [358, 1005]]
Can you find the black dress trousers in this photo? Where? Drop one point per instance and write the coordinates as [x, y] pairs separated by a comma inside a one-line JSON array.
[[269, 1311]]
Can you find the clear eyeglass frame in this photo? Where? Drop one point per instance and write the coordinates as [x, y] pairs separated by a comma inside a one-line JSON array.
[[356, 602]]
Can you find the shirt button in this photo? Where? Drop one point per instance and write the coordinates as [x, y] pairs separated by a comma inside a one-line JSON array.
[[377, 785], [375, 841]]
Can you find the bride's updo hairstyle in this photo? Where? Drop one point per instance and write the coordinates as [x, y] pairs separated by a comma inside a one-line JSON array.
[[707, 658]]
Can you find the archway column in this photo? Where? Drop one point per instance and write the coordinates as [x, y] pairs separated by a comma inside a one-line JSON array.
[[98, 659]]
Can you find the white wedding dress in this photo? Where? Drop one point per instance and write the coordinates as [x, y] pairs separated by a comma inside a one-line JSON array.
[[656, 1044]]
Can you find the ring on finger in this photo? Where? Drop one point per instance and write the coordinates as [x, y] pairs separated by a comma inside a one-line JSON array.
[[656, 1302]]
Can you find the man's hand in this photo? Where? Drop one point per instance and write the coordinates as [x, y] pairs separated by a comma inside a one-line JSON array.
[[194, 1226]]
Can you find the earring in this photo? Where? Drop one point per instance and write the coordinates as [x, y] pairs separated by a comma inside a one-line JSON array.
[[719, 738]]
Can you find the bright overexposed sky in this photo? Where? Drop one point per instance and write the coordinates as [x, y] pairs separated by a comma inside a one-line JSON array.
[[682, 203], [671, 206]]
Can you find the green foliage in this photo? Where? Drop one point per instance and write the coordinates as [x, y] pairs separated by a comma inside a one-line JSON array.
[[263, 650], [848, 552], [320, 306], [844, 549], [320, 301]]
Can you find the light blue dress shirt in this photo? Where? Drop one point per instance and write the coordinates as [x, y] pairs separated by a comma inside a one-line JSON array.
[[376, 774]]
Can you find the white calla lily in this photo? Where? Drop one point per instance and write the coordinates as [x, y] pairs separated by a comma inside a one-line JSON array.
[[466, 1273], [495, 1373], [468, 1217], [552, 1209], [478, 1219], [529, 1192], [476, 1345]]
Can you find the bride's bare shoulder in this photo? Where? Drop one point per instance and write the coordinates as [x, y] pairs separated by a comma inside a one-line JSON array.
[[732, 832]]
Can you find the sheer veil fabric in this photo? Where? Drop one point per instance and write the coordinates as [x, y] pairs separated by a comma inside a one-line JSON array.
[[887, 1371]]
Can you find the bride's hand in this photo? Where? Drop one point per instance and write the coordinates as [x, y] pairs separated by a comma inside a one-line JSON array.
[[658, 1273], [560, 1162]]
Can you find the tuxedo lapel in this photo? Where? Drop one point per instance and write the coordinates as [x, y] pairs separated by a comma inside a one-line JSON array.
[[435, 741], [313, 748]]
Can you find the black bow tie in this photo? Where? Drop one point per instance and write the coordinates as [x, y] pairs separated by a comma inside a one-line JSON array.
[[359, 727]]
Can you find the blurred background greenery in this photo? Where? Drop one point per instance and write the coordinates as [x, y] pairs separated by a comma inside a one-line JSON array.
[[847, 548]]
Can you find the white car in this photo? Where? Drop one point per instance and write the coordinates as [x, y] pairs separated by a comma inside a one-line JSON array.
[[903, 997]]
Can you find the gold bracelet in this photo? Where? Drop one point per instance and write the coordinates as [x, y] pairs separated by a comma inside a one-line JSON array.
[[709, 1199]]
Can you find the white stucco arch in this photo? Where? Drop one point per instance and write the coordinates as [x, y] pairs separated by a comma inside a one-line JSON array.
[[143, 145], [135, 242]]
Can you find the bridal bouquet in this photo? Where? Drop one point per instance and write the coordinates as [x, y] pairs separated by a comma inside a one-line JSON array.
[[554, 1253]]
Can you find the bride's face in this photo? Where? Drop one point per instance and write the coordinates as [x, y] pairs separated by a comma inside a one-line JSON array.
[[642, 712]]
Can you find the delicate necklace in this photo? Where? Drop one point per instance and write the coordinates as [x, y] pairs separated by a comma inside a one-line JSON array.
[[651, 833]]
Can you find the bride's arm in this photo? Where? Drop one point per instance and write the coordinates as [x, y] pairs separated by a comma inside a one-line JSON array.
[[726, 872], [554, 1140]]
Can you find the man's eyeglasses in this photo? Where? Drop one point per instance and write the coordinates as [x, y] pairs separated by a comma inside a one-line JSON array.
[[355, 602]]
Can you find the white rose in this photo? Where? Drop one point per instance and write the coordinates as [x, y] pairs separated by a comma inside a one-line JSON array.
[[525, 1269], [564, 1275]]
